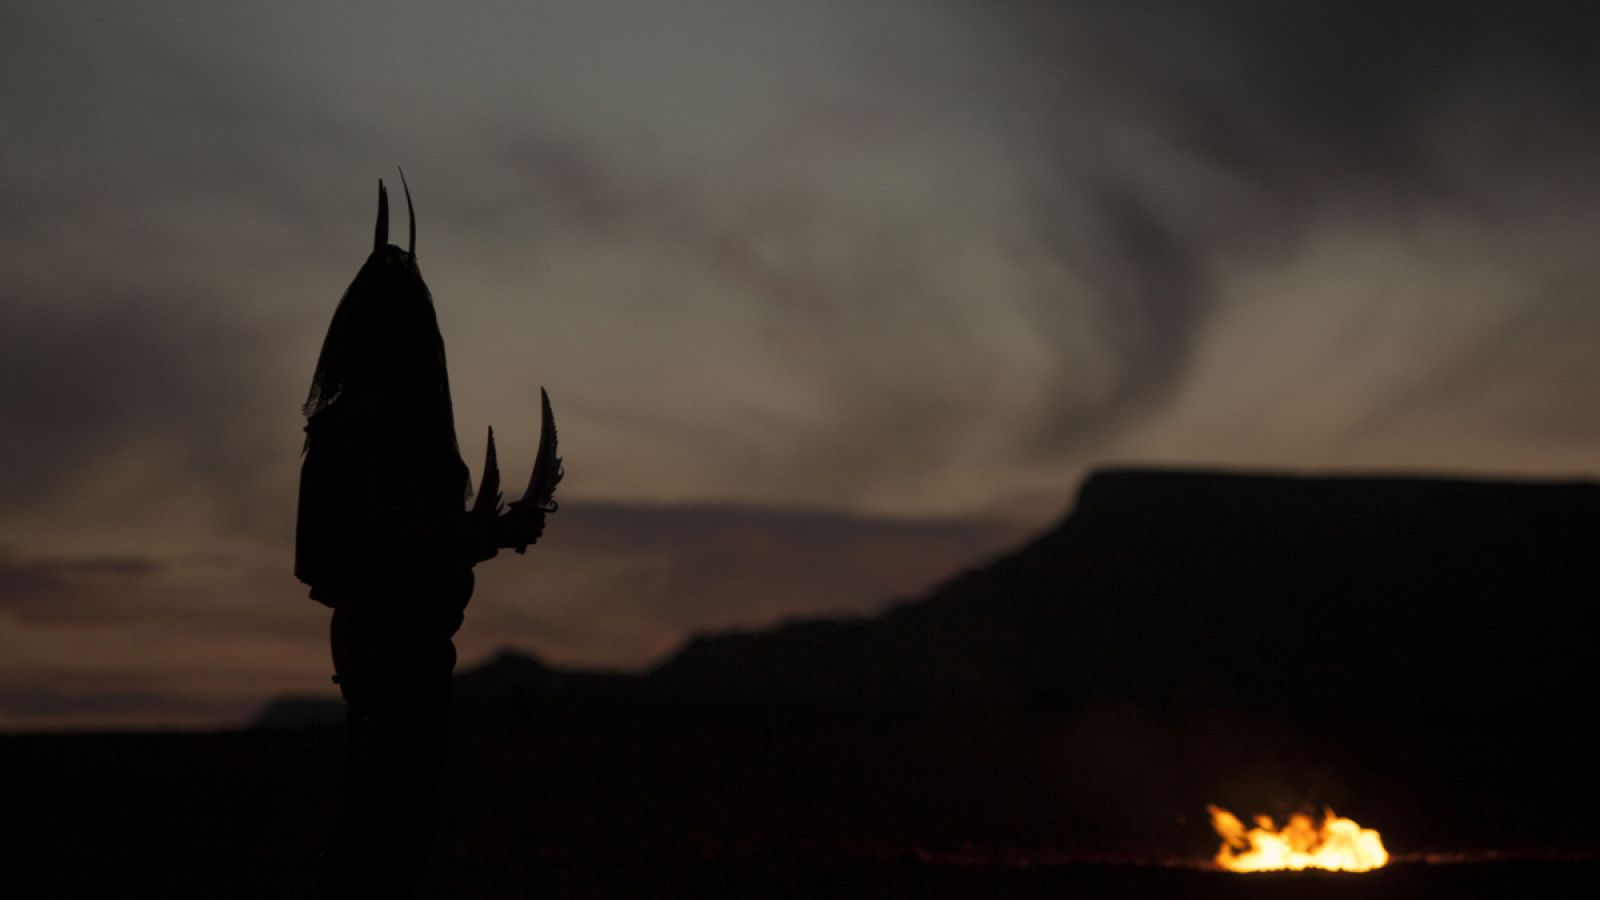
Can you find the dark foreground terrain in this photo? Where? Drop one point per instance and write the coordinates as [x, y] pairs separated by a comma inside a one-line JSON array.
[[709, 810], [858, 879]]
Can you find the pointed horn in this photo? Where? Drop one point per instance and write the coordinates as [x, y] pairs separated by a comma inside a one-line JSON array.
[[547, 472], [412, 249], [380, 236]]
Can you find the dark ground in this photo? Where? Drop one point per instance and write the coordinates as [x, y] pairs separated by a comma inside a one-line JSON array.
[[701, 810]]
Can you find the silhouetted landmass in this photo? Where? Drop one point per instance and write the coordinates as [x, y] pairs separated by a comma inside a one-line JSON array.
[[1312, 598], [301, 712]]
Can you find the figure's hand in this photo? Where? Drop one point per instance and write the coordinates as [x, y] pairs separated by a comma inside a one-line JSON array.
[[535, 528], [482, 533], [520, 527]]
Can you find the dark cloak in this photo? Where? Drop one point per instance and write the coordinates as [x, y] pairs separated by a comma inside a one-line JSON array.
[[382, 486]]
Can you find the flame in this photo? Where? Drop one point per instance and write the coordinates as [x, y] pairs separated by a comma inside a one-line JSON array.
[[1340, 844]]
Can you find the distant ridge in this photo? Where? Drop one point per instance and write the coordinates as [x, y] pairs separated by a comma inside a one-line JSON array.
[[1379, 596], [1250, 590], [297, 711]]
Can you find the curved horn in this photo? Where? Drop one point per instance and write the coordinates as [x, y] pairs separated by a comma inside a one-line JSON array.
[[539, 499], [380, 236], [412, 249]]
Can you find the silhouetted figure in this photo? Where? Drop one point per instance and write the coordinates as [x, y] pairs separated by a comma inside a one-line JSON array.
[[384, 539]]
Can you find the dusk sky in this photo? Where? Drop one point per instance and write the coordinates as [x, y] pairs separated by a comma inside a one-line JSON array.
[[833, 299]]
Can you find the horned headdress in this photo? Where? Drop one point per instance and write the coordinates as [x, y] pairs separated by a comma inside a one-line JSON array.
[[380, 403]]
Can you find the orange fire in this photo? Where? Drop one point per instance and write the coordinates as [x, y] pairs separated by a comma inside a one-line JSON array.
[[1340, 844]]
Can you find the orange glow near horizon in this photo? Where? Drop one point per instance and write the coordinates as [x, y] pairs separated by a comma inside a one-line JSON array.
[[1339, 845]]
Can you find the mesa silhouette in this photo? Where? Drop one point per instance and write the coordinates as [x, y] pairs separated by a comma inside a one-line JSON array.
[[1316, 600]]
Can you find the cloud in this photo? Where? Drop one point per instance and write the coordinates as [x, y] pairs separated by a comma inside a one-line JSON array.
[[879, 249], [624, 584], [1371, 200], [1005, 257], [36, 708], [614, 585], [68, 589], [89, 381]]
